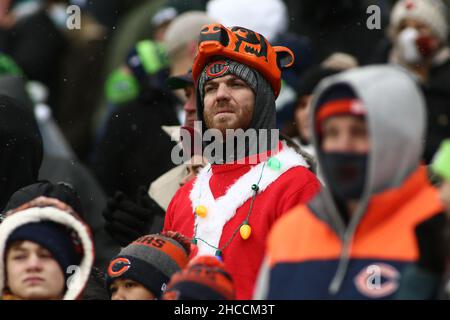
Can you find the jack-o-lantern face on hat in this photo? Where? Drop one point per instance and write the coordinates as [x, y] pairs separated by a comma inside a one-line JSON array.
[[244, 46]]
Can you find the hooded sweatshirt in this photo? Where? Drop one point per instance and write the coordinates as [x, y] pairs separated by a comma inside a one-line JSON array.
[[312, 253], [45, 209]]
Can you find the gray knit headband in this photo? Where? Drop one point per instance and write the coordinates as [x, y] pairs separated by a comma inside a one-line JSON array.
[[224, 67]]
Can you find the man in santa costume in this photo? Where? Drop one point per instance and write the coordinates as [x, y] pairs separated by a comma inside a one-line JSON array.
[[230, 207]]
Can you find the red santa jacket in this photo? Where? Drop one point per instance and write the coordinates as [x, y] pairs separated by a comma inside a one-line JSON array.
[[226, 192]]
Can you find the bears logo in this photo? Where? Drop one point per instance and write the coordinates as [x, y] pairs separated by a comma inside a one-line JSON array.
[[118, 266]]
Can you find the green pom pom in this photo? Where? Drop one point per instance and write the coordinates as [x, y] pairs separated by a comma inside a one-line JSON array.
[[274, 163]]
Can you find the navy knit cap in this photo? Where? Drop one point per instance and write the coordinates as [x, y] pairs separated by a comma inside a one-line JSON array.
[[52, 236], [336, 92]]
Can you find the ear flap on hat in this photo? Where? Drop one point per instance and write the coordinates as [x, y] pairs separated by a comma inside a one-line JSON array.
[[285, 57], [214, 32]]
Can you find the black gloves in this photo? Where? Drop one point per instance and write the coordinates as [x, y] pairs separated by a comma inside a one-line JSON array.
[[127, 220], [433, 248]]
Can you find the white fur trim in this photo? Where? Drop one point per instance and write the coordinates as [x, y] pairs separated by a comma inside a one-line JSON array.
[[37, 214], [221, 210]]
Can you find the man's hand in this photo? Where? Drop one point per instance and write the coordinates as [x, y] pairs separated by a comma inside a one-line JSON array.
[[127, 220]]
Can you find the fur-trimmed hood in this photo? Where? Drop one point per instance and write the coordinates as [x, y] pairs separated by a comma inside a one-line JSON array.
[[48, 209]]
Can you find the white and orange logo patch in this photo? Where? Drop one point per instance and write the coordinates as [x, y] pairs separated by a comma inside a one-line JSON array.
[[377, 280]]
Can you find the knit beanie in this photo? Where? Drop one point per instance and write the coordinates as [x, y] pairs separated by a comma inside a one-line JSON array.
[[431, 12], [204, 278], [221, 68], [150, 260], [56, 238], [339, 100]]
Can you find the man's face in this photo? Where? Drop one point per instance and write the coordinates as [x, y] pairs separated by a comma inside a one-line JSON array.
[[228, 103], [33, 273], [345, 133], [428, 43], [195, 165], [126, 289], [190, 106], [302, 117]]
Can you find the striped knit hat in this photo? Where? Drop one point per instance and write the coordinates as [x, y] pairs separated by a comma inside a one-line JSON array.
[[150, 260], [223, 67]]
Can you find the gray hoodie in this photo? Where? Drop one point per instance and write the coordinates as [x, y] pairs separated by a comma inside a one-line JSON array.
[[396, 122]]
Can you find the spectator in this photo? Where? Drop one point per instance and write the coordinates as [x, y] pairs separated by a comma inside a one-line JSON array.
[[123, 211], [127, 220], [429, 277], [47, 252], [142, 270], [417, 40], [237, 90], [355, 239], [134, 149], [37, 51]]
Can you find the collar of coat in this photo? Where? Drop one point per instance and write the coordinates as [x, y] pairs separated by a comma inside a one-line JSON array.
[[222, 209]]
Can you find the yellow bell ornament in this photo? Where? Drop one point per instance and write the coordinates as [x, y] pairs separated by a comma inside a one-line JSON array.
[[245, 231], [201, 211]]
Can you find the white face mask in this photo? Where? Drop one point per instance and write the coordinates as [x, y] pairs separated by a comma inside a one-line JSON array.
[[407, 43]]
